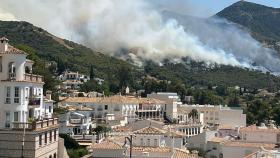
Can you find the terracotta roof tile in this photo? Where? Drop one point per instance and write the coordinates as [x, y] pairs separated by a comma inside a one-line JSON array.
[[179, 153], [13, 50], [254, 128], [107, 144], [150, 131], [249, 144]]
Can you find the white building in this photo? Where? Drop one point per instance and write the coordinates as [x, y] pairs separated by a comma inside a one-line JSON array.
[[154, 137], [121, 106], [260, 134], [219, 115], [172, 101], [72, 80], [22, 111]]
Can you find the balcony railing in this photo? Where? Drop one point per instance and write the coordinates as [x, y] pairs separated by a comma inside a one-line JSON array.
[[35, 125], [33, 78], [12, 76], [34, 102], [76, 121]]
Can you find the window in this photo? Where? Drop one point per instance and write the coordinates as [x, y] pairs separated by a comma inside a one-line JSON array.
[[142, 142], [16, 117], [50, 109], [40, 140], [7, 124], [46, 138], [50, 136], [1, 63], [148, 142], [16, 98], [54, 135], [8, 95], [106, 107], [278, 137], [155, 142], [54, 155]]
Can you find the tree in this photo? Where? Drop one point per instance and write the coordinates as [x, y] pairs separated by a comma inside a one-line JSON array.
[[194, 115], [91, 73], [258, 112], [234, 102]]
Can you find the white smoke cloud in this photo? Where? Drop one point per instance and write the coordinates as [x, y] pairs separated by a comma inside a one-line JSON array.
[[6, 16], [110, 25]]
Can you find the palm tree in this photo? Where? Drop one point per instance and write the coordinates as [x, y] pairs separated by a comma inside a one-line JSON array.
[[193, 114]]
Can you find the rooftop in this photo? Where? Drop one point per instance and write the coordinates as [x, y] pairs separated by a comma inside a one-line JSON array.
[[150, 131], [249, 144], [13, 50], [35, 125], [254, 128], [107, 144], [112, 99], [179, 153]]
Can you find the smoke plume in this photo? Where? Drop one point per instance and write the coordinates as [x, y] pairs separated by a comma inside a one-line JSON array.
[[112, 25]]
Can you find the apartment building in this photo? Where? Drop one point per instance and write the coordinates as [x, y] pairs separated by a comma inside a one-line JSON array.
[[121, 106], [26, 130], [172, 101], [219, 115]]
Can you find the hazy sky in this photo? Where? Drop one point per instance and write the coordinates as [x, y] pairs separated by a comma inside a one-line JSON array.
[[206, 8]]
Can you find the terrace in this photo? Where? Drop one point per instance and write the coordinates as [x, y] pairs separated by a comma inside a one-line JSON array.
[[35, 125]]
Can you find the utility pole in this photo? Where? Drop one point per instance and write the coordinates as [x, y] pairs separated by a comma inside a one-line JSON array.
[[130, 142], [22, 147]]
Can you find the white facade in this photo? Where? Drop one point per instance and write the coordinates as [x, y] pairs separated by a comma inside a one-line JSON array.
[[22, 109], [121, 106], [219, 115], [21, 94], [172, 102]]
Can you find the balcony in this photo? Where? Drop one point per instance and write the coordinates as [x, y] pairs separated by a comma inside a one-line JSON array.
[[76, 121], [33, 78], [34, 102], [12, 76], [35, 125]]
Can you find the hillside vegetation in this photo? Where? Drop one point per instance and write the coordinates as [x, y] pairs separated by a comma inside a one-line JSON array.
[[262, 21], [118, 73]]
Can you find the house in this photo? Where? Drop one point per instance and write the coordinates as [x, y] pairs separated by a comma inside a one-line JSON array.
[[121, 106], [110, 148], [219, 115], [172, 101], [261, 134], [234, 149], [154, 137], [26, 130], [72, 80]]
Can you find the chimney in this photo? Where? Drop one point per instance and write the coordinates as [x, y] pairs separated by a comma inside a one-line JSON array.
[[3, 44], [49, 95]]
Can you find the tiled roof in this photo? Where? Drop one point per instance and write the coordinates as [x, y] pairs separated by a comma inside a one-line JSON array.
[[156, 131], [80, 108], [13, 50], [218, 140], [249, 144], [150, 131], [152, 149], [179, 153], [113, 99], [254, 128], [107, 144]]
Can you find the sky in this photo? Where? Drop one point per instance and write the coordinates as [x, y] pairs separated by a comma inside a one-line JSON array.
[[206, 8]]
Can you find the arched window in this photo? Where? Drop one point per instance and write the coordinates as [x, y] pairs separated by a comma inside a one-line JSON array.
[[12, 70], [27, 69]]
